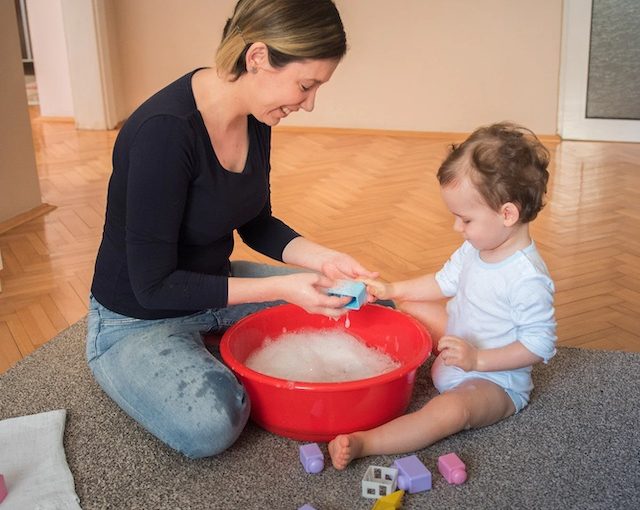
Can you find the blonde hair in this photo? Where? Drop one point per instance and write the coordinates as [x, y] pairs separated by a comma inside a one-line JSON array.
[[293, 30]]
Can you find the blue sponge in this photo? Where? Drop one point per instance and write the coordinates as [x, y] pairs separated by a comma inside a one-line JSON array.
[[353, 289]]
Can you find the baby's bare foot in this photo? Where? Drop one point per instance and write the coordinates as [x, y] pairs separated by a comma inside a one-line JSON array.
[[343, 449]]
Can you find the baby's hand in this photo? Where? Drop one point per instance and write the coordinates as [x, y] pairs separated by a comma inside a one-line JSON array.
[[377, 288], [458, 352]]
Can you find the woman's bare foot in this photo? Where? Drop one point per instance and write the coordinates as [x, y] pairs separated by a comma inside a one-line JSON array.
[[343, 449]]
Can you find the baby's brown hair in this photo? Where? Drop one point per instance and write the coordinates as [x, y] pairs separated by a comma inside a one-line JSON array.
[[506, 163]]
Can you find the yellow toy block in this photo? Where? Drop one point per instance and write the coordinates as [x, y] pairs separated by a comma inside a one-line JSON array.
[[391, 502]]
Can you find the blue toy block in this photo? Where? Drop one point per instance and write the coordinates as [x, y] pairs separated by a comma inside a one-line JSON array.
[[306, 506], [311, 458], [353, 289], [413, 476]]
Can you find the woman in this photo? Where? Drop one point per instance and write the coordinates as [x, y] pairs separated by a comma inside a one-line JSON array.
[[190, 166]]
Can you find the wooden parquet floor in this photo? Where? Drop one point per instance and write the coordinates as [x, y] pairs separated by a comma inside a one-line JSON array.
[[373, 195]]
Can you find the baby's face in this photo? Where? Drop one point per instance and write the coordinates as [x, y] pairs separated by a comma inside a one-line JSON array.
[[478, 223]]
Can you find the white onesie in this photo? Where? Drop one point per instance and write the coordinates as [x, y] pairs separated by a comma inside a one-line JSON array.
[[494, 305]]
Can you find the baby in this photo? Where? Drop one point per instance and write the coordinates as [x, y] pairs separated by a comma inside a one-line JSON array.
[[499, 319]]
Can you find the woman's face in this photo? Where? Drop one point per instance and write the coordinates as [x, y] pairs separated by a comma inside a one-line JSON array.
[[281, 91]]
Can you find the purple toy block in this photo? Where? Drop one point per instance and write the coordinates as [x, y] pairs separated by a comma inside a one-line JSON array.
[[413, 476], [452, 468], [306, 506], [3, 489], [311, 458]]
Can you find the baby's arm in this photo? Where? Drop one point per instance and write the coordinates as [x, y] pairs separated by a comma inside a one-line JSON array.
[[423, 288], [460, 353]]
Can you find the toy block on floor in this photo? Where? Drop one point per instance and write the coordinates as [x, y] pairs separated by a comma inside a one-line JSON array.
[[311, 458], [353, 289], [391, 502], [379, 481], [452, 468], [413, 476], [306, 506], [3, 489]]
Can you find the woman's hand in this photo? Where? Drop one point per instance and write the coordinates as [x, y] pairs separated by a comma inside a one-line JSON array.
[[342, 266], [308, 290], [458, 352], [333, 264]]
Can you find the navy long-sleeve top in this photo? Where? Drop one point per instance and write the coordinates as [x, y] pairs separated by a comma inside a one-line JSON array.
[[172, 210]]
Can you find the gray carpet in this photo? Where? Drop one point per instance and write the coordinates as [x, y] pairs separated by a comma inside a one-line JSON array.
[[576, 446]]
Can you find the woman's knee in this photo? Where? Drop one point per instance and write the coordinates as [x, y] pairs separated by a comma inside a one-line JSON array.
[[172, 386], [211, 431]]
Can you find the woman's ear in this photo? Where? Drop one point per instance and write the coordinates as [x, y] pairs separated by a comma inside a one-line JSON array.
[[257, 57], [510, 214]]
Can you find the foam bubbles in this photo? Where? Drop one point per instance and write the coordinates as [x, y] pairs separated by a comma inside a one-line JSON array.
[[323, 355]]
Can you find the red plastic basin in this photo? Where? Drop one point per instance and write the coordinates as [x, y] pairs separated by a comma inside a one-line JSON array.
[[312, 411]]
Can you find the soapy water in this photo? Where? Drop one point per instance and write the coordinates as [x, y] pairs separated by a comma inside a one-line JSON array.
[[323, 355]]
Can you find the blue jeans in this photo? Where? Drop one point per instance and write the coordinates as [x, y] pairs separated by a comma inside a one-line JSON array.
[[160, 373]]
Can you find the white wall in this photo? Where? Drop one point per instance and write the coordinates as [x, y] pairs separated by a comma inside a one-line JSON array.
[[19, 185], [412, 65], [50, 60], [88, 52], [419, 65], [445, 65]]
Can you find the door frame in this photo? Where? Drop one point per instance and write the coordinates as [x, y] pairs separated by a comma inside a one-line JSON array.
[[574, 69]]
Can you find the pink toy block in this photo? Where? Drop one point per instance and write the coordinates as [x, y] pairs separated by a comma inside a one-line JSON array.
[[452, 468], [311, 458], [3, 489], [413, 476]]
